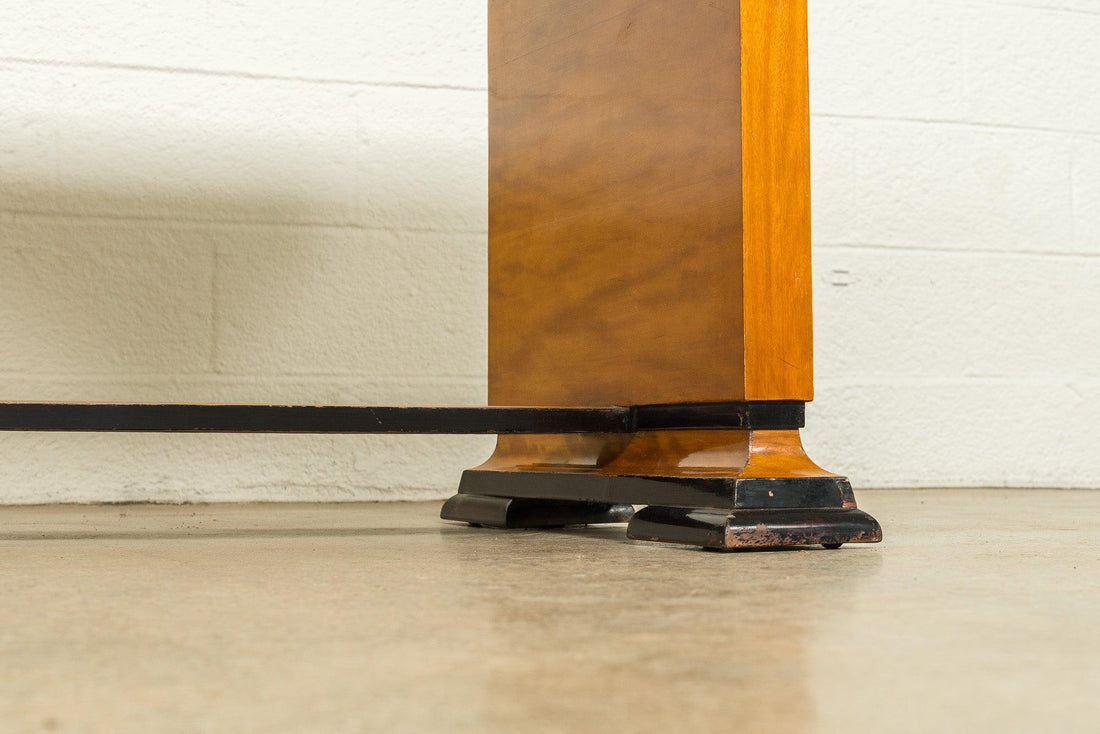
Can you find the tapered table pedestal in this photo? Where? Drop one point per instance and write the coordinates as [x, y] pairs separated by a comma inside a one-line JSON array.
[[649, 242]]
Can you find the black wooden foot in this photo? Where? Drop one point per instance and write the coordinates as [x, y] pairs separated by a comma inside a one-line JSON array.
[[724, 513], [509, 512], [734, 529]]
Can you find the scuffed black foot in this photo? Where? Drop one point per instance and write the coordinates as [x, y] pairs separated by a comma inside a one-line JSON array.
[[736, 529], [508, 512]]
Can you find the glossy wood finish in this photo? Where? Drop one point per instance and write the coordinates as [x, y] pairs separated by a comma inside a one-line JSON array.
[[649, 242], [716, 493], [703, 453], [614, 202], [718, 489], [649, 231], [775, 140]]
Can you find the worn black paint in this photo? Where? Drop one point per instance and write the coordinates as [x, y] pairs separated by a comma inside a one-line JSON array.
[[744, 529]]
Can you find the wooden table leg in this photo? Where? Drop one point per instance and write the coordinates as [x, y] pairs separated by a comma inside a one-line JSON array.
[[649, 242]]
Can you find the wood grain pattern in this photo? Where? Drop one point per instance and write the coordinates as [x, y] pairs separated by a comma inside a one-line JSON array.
[[649, 242], [775, 118], [614, 202], [648, 202], [734, 454], [649, 231]]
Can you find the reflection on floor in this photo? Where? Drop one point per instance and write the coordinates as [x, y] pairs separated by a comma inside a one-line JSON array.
[[978, 613]]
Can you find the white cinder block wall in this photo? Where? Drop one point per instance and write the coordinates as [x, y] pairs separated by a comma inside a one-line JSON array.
[[285, 202]]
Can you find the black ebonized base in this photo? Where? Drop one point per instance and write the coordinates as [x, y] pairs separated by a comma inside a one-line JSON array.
[[711, 512], [518, 512], [740, 529]]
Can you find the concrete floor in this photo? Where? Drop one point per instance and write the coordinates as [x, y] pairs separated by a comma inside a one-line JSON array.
[[980, 613]]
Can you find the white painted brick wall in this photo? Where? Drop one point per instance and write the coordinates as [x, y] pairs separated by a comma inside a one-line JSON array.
[[256, 201]]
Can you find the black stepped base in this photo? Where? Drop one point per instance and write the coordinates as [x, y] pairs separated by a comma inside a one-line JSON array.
[[719, 493], [712, 512], [512, 512], [741, 529]]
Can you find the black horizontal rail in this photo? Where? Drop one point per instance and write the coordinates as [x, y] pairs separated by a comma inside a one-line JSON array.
[[233, 418]]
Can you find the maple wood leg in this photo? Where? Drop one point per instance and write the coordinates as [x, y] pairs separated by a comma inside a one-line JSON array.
[[517, 512]]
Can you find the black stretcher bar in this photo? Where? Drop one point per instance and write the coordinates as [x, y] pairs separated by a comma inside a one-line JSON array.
[[190, 418]]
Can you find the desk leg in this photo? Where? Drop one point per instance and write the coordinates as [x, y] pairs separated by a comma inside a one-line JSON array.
[[721, 489]]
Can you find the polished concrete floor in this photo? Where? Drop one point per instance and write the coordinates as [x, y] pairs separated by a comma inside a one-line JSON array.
[[979, 613]]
